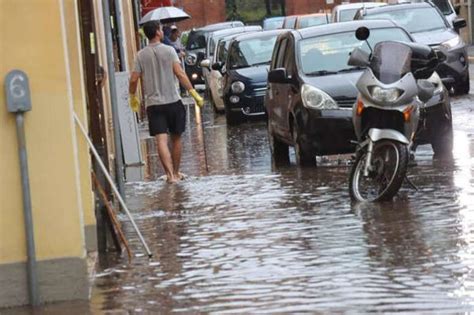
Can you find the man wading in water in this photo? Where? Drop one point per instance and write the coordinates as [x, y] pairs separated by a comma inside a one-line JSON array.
[[158, 66]]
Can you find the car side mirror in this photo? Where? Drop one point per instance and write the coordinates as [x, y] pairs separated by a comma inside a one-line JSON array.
[[459, 23], [359, 58], [278, 76], [457, 9], [425, 90], [206, 63]]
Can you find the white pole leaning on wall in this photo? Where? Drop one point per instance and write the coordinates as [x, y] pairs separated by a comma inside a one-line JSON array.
[[111, 182]]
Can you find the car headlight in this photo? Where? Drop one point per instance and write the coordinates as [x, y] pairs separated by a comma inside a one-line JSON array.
[[453, 42], [191, 59], [436, 80], [316, 99], [385, 95], [237, 87]]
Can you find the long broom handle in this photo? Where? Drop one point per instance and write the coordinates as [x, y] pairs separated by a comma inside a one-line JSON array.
[[111, 182]]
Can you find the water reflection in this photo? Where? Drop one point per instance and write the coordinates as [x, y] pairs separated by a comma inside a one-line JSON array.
[[249, 237]]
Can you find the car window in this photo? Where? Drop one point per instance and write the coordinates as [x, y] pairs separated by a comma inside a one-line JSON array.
[[347, 15], [331, 52], [272, 24], [250, 52], [196, 40], [312, 21], [443, 6], [212, 46], [414, 20], [289, 22], [222, 51]]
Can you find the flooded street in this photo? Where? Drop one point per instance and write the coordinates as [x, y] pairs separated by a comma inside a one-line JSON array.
[[250, 238]]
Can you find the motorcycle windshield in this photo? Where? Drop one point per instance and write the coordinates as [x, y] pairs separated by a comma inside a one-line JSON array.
[[391, 61]]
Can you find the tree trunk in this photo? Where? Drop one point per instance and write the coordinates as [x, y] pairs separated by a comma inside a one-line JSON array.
[[283, 8], [268, 7]]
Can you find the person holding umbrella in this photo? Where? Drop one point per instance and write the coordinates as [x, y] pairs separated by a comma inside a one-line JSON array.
[[158, 67]]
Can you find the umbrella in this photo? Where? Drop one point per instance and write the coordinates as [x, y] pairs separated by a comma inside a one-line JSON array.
[[165, 15]]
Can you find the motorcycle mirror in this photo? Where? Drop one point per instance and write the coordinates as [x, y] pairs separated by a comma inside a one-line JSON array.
[[362, 33]]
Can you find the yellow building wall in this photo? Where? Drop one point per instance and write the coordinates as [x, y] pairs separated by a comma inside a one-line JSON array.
[[31, 40]]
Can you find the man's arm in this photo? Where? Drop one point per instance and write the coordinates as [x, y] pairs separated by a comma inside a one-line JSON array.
[[183, 79], [181, 75], [132, 88]]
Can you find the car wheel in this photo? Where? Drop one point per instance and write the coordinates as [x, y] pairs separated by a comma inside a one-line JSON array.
[[279, 149], [233, 118], [463, 87], [303, 152]]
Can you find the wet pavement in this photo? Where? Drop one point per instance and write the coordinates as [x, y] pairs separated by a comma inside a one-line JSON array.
[[246, 237]]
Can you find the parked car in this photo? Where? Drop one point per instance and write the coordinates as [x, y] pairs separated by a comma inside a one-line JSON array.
[[346, 12], [428, 26], [449, 11], [212, 41], [196, 47], [311, 91], [273, 23], [306, 20], [213, 75], [245, 76]]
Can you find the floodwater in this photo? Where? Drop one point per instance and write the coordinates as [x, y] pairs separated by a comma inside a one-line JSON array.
[[246, 237]]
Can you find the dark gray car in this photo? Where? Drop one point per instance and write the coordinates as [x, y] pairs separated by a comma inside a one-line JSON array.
[[311, 92], [428, 26], [196, 48]]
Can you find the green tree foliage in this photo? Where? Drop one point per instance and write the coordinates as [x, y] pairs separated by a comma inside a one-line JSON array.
[[252, 11]]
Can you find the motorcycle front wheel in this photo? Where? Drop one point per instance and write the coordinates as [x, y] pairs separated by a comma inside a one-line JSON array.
[[386, 174]]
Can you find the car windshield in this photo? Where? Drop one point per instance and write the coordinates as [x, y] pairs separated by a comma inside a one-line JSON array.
[[251, 52], [347, 15], [312, 21], [414, 20], [443, 6], [196, 40], [329, 53], [272, 24]]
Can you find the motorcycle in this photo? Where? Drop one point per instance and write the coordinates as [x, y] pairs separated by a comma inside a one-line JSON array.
[[392, 89]]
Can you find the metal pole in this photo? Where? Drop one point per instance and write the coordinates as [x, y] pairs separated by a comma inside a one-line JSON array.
[[113, 96], [120, 36], [117, 193], [28, 217]]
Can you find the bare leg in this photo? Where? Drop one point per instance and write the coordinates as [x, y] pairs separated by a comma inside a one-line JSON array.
[[165, 156], [176, 148]]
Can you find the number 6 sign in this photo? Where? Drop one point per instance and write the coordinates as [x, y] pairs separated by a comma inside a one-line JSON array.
[[17, 90]]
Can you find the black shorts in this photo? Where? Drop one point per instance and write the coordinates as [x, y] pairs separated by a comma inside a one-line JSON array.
[[166, 118]]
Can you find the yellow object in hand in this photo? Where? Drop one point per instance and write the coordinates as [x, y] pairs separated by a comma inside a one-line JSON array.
[[134, 103], [197, 98]]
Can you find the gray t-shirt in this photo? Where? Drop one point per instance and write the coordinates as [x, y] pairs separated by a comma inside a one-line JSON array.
[[155, 63]]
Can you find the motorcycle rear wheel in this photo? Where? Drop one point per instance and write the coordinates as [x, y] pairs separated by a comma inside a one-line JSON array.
[[389, 166]]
